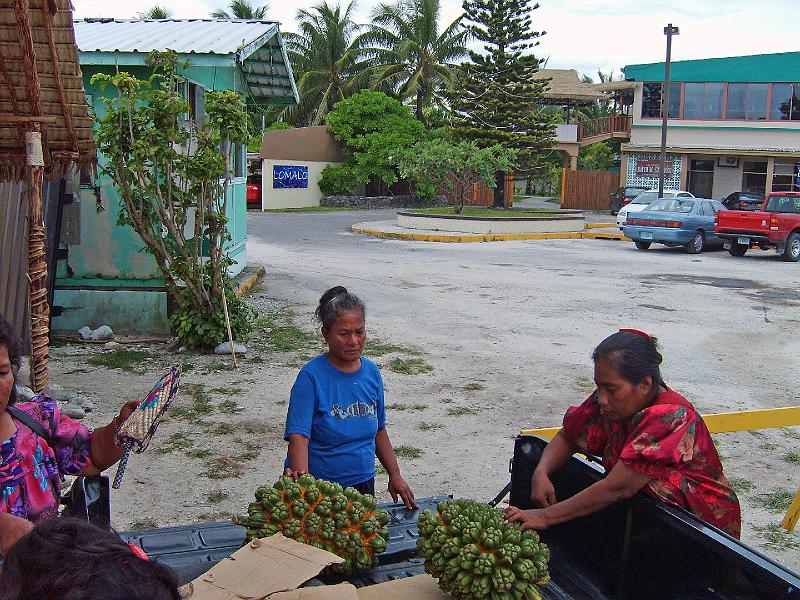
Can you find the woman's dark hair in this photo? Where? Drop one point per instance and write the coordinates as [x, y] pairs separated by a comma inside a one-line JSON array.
[[635, 356], [13, 345], [336, 301], [70, 559]]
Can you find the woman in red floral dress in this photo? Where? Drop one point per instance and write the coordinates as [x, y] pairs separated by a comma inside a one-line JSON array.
[[649, 437]]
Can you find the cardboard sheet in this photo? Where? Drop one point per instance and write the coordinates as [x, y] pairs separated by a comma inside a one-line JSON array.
[[343, 591], [421, 587], [264, 567]]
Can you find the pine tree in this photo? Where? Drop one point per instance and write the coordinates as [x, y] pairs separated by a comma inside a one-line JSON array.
[[496, 96]]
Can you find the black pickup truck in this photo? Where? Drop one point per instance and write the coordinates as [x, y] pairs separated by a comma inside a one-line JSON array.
[[638, 549]]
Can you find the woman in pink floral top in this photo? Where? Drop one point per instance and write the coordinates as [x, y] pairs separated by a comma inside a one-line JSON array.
[[30, 468], [649, 437]]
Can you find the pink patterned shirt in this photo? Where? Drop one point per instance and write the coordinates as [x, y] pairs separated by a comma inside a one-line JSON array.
[[30, 470]]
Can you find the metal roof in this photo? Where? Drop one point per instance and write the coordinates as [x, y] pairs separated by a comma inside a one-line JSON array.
[[184, 36]]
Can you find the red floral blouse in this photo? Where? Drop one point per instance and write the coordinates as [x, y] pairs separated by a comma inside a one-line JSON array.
[[668, 441]]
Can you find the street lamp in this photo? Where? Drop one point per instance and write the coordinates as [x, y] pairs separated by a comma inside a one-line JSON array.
[[669, 31]]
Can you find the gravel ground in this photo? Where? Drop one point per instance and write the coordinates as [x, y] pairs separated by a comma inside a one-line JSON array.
[[506, 330]]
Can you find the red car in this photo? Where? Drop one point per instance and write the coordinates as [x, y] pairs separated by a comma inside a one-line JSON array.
[[254, 191]]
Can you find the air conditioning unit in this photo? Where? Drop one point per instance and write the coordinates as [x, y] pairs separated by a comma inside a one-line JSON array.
[[728, 161]]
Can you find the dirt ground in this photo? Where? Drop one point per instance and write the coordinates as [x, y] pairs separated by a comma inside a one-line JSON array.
[[454, 407]]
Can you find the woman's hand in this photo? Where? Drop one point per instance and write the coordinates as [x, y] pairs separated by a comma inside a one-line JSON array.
[[528, 519], [12, 529], [543, 493], [399, 487], [125, 412], [294, 474]]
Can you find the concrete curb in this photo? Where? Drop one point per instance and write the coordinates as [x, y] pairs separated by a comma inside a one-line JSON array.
[[498, 237], [598, 225], [249, 283]]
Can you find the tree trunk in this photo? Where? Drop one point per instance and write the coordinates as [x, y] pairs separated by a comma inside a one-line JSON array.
[[500, 190]]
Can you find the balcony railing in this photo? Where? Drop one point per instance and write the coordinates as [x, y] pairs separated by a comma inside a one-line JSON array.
[[606, 127]]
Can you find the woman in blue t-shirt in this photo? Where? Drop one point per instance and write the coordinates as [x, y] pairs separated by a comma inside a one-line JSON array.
[[336, 422]]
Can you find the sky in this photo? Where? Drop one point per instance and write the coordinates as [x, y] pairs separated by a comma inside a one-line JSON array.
[[585, 35]]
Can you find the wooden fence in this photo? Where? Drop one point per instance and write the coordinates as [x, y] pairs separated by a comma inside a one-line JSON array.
[[588, 190], [482, 195]]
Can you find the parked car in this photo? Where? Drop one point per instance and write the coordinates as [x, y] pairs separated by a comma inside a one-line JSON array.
[[254, 191], [777, 226], [678, 221], [623, 196], [644, 199], [744, 201]]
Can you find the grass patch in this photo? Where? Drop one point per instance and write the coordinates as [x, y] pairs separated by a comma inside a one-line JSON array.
[[121, 358], [429, 426], [249, 454], [217, 367], [186, 367], [200, 405], [406, 407], [768, 446], [487, 213], [223, 467], [409, 366], [777, 538], [217, 496], [176, 441], [585, 385], [374, 347], [475, 387], [277, 331], [233, 391], [778, 501], [792, 432], [741, 485], [224, 429], [198, 453], [229, 407], [462, 411], [215, 516], [255, 360], [446, 401], [792, 457], [143, 524], [408, 452]]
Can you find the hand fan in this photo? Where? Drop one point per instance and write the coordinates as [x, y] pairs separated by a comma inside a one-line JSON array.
[[135, 433]]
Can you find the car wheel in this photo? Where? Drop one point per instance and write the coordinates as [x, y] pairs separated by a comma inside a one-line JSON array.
[[642, 245], [695, 246], [738, 249], [792, 251]]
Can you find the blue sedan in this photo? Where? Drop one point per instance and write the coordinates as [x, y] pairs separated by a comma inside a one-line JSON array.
[[687, 222]]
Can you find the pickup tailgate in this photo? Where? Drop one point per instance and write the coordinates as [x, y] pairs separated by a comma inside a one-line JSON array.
[[742, 221]]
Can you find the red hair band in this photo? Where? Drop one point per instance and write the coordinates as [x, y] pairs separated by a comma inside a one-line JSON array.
[[647, 336]]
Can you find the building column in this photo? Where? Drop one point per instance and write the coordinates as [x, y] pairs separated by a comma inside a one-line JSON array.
[[684, 171], [573, 163], [770, 173]]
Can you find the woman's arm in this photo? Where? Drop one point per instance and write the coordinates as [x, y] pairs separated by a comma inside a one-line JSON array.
[[397, 485], [298, 456], [104, 451], [555, 454], [621, 482], [11, 529]]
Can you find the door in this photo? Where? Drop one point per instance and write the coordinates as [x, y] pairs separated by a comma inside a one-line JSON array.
[[701, 177]]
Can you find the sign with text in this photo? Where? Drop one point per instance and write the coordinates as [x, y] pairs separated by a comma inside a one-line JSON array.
[[649, 167], [289, 176]]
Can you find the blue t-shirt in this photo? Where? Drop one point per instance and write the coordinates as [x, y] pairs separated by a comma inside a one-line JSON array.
[[340, 414]]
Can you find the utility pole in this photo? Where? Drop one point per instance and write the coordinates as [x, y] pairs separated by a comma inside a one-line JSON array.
[[669, 31]]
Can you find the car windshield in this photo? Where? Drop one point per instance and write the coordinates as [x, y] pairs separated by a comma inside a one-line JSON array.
[[645, 198], [633, 191], [678, 205], [752, 196], [783, 204]]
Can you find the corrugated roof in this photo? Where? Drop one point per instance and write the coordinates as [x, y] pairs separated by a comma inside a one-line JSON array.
[[185, 36]]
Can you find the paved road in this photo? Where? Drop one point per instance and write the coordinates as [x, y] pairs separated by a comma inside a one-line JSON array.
[[523, 317]]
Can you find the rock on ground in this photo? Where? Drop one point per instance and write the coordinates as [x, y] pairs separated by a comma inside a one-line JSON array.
[[225, 348]]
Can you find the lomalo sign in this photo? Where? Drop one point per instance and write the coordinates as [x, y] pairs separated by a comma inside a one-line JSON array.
[[649, 167], [289, 176]]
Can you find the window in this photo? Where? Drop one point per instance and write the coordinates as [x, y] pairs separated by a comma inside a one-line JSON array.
[[239, 159], [754, 176], [785, 105], [747, 101], [703, 100], [706, 210], [195, 96], [651, 100], [784, 176]]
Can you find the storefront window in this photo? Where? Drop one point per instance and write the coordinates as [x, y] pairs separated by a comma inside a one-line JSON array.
[[785, 104], [701, 177], [754, 176], [703, 101], [784, 176], [747, 101]]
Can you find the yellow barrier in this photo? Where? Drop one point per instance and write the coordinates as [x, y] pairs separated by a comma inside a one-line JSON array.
[[746, 420]]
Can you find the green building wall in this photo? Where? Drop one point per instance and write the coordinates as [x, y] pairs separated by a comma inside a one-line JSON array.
[[109, 278]]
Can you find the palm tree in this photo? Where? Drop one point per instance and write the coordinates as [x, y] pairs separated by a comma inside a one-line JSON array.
[[326, 61], [413, 59], [155, 12], [242, 9]]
